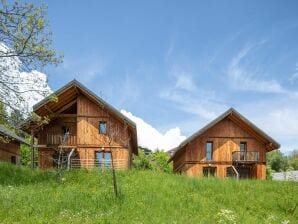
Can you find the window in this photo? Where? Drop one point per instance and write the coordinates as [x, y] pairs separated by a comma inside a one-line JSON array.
[[13, 159], [209, 149], [243, 148], [103, 159], [65, 130], [209, 171], [102, 127]]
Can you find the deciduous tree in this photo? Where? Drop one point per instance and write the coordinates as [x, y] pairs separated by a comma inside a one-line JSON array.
[[25, 46]]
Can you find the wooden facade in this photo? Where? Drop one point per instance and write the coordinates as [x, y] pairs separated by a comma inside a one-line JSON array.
[[10, 145], [229, 146], [79, 112]]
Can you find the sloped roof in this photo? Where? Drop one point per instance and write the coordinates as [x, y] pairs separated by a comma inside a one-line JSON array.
[[230, 112], [8, 133], [68, 93], [77, 84]]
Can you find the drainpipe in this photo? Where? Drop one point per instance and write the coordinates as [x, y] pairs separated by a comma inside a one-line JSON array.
[[68, 158]]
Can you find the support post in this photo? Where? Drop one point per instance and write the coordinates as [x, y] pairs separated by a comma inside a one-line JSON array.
[[114, 175], [68, 158], [235, 170], [32, 148]]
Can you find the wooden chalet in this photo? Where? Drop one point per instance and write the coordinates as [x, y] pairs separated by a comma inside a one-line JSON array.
[[228, 146], [83, 131], [10, 145]]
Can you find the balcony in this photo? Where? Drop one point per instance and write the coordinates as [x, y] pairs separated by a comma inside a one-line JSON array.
[[245, 157], [56, 139]]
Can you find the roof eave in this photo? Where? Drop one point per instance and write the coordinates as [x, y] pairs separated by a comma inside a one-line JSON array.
[[89, 92]]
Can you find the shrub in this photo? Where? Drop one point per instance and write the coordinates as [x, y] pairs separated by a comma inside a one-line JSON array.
[[157, 161]]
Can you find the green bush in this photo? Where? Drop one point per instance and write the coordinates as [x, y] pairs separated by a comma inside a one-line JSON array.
[[156, 161]]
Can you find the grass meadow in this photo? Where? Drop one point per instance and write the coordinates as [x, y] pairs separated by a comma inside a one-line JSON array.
[[33, 196]]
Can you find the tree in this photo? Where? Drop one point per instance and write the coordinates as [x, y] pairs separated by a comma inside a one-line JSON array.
[[293, 159], [277, 161], [25, 46], [3, 115], [157, 161]]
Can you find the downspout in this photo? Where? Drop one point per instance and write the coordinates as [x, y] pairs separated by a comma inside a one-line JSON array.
[[68, 158]]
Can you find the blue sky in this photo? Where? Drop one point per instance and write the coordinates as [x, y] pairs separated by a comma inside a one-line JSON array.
[[178, 64]]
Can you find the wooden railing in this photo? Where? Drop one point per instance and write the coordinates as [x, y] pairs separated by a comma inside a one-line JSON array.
[[53, 139], [249, 156], [103, 164]]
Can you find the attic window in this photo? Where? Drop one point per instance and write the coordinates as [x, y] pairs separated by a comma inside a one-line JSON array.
[[102, 127]]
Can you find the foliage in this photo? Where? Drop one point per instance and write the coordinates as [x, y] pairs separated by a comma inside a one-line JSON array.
[[279, 162], [3, 115], [25, 45], [28, 196], [293, 159], [26, 154], [142, 161], [156, 161]]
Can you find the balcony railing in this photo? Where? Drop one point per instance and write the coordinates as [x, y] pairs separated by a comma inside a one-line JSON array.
[[94, 163], [249, 156], [53, 139]]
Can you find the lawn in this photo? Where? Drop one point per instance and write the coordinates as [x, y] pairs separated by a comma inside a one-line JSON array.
[[28, 196]]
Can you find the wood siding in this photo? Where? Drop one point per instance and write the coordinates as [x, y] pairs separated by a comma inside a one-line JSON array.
[[84, 131], [89, 116], [7, 150], [226, 137], [51, 134]]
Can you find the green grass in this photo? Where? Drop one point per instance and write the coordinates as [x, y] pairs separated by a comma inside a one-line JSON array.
[[146, 197]]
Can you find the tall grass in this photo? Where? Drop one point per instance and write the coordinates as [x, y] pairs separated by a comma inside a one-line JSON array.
[[145, 197]]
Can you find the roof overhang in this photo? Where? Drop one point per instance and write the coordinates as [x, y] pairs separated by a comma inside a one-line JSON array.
[[11, 135]]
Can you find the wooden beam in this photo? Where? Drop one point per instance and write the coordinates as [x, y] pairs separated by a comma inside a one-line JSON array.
[[32, 148], [64, 115], [48, 109], [248, 129], [65, 107]]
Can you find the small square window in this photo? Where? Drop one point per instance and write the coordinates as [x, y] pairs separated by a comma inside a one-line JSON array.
[[102, 127]]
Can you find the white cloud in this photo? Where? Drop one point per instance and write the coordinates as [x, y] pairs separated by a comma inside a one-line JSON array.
[[30, 87], [191, 98], [243, 79], [150, 137], [184, 81], [200, 104]]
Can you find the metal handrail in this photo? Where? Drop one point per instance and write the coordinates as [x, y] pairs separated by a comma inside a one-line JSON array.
[[94, 163]]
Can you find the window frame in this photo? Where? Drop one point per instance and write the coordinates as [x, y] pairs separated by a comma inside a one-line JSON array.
[[211, 153], [244, 151], [99, 127], [102, 161], [209, 171]]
